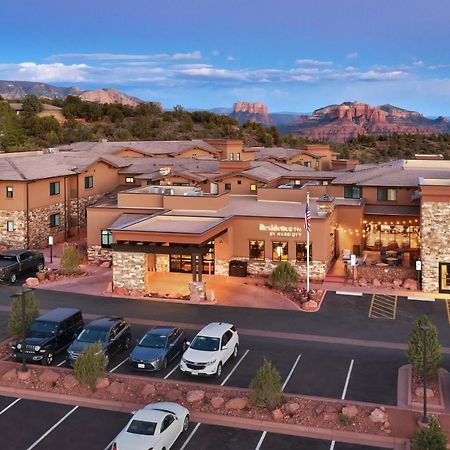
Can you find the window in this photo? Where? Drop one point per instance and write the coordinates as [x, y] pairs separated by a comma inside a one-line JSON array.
[[256, 249], [231, 156], [280, 251], [9, 226], [352, 192], [106, 238], [228, 186], [55, 220], [54, 188], [168, 420], [239, 181], [253, 187], [9, 192], [88, 182], [129, 180], [238, 156], [317, 164], [307, 163], [300, 252], [386, 194]]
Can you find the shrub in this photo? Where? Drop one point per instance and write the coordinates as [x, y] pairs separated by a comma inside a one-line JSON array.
[[31, 312], [430, 437], [345, 420], [70, 261], [284, 276], [90, 365], [266, 388], [415, 348]]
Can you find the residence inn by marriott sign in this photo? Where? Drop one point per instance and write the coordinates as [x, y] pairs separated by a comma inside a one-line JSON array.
[[281, 230]]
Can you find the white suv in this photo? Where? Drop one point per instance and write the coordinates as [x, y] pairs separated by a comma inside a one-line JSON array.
[[211, 349]]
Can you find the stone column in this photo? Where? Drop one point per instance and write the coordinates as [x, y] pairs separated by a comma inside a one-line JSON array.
[[129, 270]]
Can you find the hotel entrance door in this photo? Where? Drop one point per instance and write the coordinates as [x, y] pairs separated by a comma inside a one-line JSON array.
[[183, 263], [444, 277]]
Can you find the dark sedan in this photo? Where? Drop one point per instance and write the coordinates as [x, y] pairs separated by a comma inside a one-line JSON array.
[[157, 348]]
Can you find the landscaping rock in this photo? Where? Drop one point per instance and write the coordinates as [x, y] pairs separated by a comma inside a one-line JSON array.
[[419, 392], [23, 376], [292, 408], [410, 284], [102, 383], [32, 282], [331, 417], [49, 376], [105, 264], [173, 395], [378, 416], [330, 409], [236, 403], [135, 293], [10, 375], [149, 390], [121, 291], [376, 282], [195, 396], [277, 414], [117, 388], [362, 282], [310, 305], [70, 381], [350, 411], [319, 409], [397, 282], [217, 402]]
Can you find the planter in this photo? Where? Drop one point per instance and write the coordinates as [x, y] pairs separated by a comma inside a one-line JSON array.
[[313, 295], [51, 276], [41, 276]]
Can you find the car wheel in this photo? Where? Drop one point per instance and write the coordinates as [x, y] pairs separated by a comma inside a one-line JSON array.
[[186, 423], [235, 351], [219, 370], [40, 266], [127, 343], [12, 278], [48, 359]]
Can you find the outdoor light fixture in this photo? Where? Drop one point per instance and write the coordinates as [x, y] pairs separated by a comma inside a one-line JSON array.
[[424, 329]]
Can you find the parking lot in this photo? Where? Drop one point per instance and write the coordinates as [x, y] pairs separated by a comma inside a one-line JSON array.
[[51, 426]]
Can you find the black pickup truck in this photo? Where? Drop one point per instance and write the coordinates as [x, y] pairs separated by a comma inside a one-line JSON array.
[[17, 262]]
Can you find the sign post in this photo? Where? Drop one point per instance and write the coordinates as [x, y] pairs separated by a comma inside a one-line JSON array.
[[353, 264], [50, 244], [419, 273]]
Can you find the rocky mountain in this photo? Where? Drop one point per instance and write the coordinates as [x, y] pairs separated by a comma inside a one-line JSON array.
[[109, 95], [12, 90], [251, 112]]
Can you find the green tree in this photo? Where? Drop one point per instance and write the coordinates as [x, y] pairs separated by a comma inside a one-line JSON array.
[[284, 276], [415, 348], [31, 105], [31, 312], [90, 365], [70, 261], [430, 437], [266, 388]]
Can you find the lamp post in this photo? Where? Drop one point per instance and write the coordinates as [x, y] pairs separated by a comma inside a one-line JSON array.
[[424, 329], [50, 244], [22, 294]]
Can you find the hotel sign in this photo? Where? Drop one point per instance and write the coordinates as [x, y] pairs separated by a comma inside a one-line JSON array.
[[281, 230]]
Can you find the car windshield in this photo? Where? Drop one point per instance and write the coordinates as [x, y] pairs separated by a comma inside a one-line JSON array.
[[92, 335], [43, 328], [142, 427], [207, 344], [8, 258], [153, 341]]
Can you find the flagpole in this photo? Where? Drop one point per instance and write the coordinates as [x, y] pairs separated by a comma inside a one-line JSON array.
[[307, 247]]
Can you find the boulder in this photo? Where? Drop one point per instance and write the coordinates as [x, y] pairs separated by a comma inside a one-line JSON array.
[[292, 408], [70, 381], [419, 392], [195, 396], [376, 283], [236, 403], [121, 290], [350, 411], [105, 264], [102, 383], [277, 414], [310, 305], [149, 390], [378, 416], [32, 282], [117, 388], [217, 402], [135, 293], [10, 375], [173, 395], [397, 282], [410, 284], [23, 376], [362, 282], [319, 409], [49, 376]]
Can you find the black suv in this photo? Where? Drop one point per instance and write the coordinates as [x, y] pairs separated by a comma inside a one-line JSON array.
[[49, 334], [112, 332]]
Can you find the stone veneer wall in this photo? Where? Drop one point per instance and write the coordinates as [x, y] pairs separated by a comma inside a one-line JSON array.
[[39, 224], [82, 204], [162, 263], [129, 270], [97, 252], [434, 243], [18, 237]]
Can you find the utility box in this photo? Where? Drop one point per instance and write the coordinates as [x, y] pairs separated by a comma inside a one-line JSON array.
[[237, 268]]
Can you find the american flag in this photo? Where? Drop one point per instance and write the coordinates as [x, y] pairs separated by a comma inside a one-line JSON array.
[[307, 218]]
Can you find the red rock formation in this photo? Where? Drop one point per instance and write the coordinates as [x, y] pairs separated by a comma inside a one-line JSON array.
[[109, 95], [253, 112]]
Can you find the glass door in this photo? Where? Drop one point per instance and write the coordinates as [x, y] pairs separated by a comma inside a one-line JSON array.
[[444, 277]]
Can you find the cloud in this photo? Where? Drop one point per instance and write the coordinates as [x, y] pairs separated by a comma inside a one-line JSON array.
[[352, 55], [231, 58], [215, 53], [196, 55], [31, 71], [313, 62]]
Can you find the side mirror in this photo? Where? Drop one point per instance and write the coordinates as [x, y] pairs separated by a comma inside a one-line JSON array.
[[188, 343], [172, 344], [225, 347]]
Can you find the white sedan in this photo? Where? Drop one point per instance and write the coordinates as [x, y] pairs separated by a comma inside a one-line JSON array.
[[155, 427]]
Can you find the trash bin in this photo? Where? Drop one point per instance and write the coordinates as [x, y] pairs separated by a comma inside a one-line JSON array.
[[237, 268]]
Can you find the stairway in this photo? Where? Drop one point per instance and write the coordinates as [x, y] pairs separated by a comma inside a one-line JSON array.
[[334, 279]]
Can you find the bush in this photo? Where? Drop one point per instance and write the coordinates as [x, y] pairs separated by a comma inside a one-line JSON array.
[[415, 348], [70, 261], [345, 420], [284, 276], [266, 388], [430, 437], [90, 365], [31, 312]]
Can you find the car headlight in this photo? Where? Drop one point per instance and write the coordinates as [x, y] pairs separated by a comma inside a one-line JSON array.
[[19, 346], [209, 363], [37, 348], [183, 360]]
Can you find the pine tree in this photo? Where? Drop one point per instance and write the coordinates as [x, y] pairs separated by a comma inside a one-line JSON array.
[[90, 365], [284, 276], [430, 438], [70, 261], [31, 312], [266, 387], [415, 348]]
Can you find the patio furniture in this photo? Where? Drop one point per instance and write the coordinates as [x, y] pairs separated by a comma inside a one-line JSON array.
[[392, 261], [391, 253]]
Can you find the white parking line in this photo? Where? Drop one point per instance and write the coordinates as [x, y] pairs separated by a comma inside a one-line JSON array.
[[186, 442], [118, 365], [108, 447], [286, 381], [10, 406], [234, 368], [61, 363], [60, 421], [333, 443], [172, 371]]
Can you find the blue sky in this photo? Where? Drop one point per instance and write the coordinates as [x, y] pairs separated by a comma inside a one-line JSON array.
[[293, 55]]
